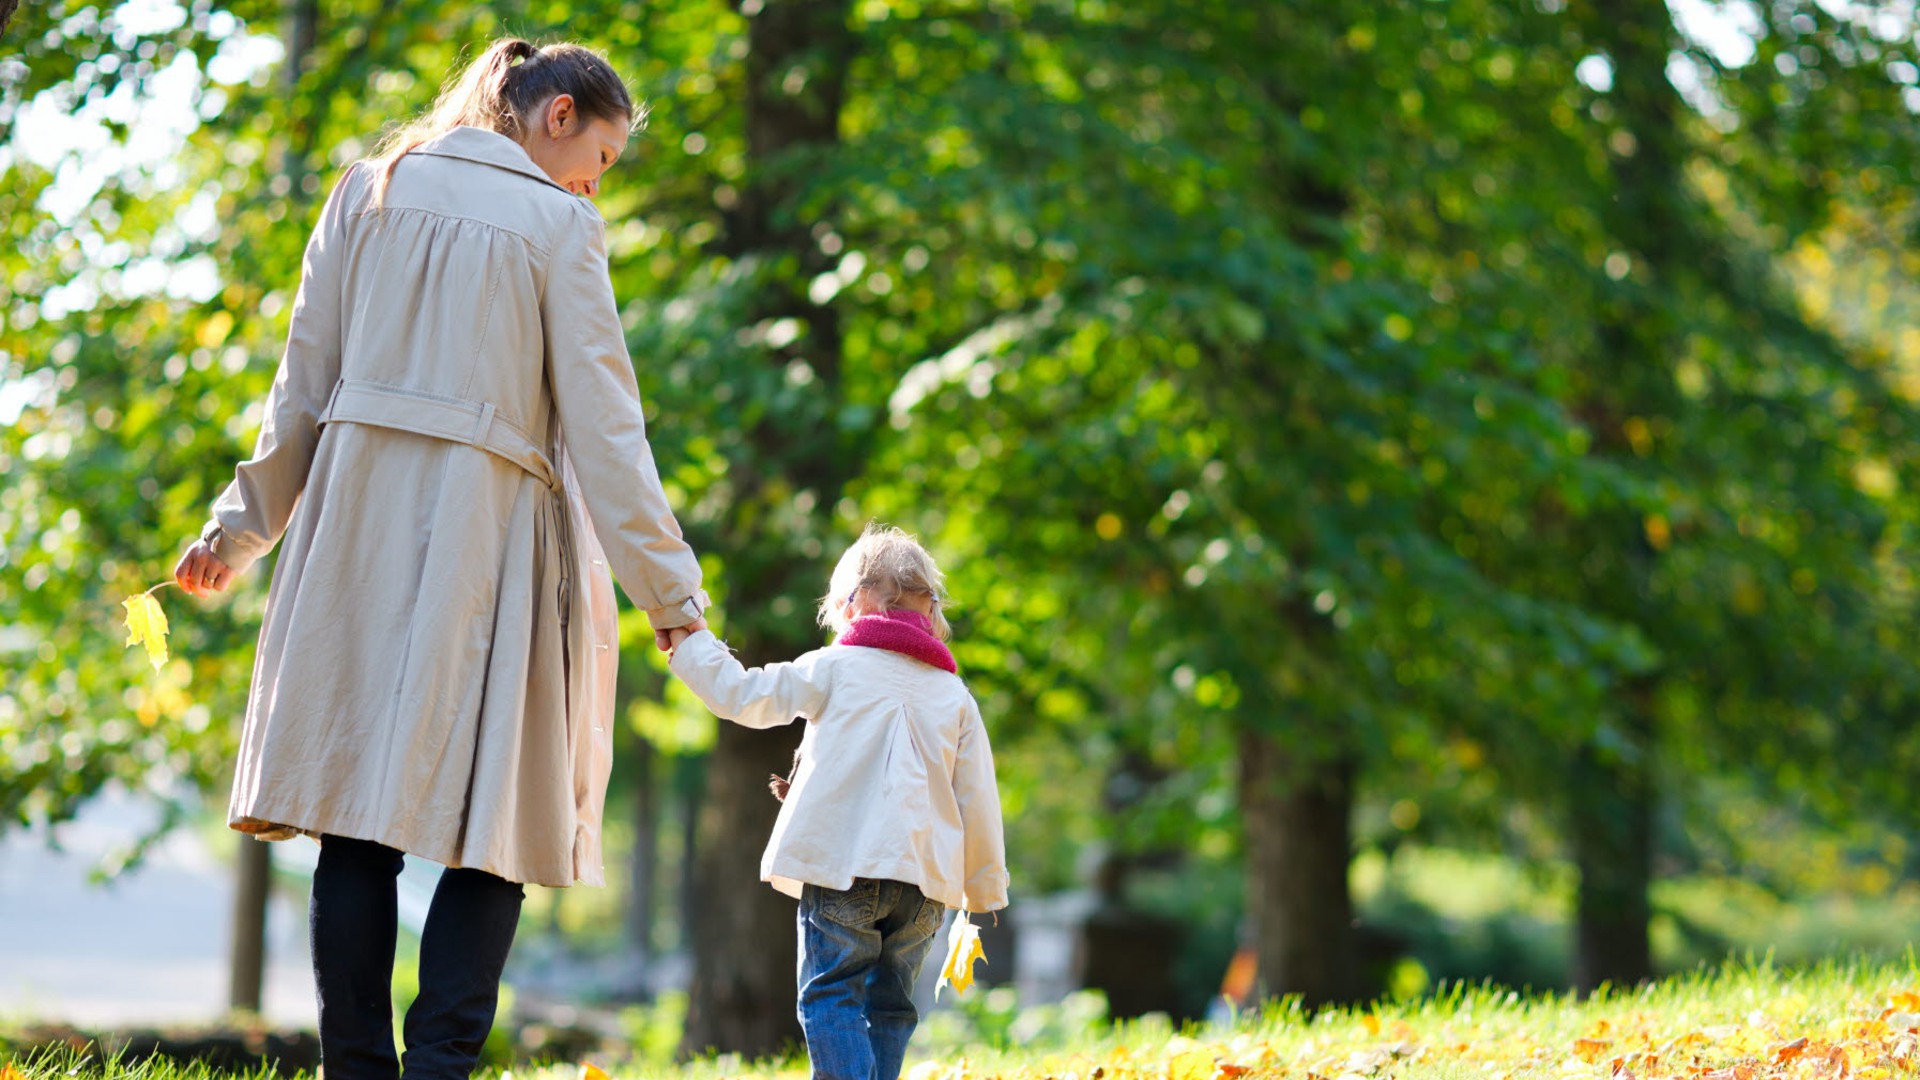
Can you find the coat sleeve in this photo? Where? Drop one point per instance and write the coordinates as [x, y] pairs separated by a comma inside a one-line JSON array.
[[598, 400], [978, 794], [250, 516], [762, 697]]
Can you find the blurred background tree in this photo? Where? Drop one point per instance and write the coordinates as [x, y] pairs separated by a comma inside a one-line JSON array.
[[1349, 428]]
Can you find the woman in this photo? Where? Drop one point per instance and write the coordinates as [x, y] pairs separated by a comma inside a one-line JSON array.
[[434, 673]]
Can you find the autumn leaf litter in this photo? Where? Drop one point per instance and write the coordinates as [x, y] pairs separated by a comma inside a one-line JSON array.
[[1751, 1024]]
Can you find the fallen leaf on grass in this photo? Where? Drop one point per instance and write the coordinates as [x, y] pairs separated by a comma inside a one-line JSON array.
[[1904, 1048], [1192, 1065], [1590, 1050], [590, 1071], [1791, 1050], [1367, 1062]]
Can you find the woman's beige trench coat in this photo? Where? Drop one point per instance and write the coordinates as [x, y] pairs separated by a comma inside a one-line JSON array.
[[435, 669]]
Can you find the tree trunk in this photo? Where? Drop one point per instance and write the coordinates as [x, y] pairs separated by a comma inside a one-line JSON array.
[[253, 873], [644, 870], [1297, 815], [1612, 832], [302, 33], [7, 8], [742, 998], [1613, 789], [253, 869], [1296, 807], [689, 784]]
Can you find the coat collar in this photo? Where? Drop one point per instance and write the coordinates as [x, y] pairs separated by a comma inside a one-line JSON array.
[[487, 148]]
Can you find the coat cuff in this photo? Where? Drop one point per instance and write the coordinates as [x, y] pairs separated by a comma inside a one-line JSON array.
[[224, 548], [680, 614]]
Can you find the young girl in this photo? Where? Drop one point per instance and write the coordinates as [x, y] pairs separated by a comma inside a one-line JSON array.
[[893, 814]]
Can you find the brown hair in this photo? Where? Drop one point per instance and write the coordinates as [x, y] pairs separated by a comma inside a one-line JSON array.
[[500, 90]]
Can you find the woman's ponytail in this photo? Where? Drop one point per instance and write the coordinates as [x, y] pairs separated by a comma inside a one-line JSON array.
[[500, 90], [483, 96]]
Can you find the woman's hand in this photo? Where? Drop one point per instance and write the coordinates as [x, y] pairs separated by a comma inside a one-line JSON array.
[[201, 572]]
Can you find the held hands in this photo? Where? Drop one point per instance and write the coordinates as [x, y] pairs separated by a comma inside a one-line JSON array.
[[669, 640], [201, 572]]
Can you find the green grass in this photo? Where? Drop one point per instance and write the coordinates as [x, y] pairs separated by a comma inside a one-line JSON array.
[[67, 1062], [1740, 1022]]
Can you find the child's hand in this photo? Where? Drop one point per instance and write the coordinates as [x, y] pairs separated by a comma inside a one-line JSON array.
[[665, 641], [678, 634]]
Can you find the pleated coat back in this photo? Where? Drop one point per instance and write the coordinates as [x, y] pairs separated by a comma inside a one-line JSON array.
[[453, 455]]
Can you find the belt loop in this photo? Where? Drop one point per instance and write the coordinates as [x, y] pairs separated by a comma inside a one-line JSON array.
[[326, 414], [484, 428]]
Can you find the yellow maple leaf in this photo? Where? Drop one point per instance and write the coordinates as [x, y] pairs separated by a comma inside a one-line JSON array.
[[590, 1071], [963, 948], [1590, 1050], [147, 625], [1192, 1065]]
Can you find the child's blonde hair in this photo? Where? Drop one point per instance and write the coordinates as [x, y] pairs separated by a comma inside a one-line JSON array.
[[889, 564]]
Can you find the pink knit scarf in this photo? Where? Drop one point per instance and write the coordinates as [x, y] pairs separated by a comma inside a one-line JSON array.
[[904, 631]]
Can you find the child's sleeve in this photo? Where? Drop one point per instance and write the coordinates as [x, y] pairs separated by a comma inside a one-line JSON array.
[[761, 697], [979, 797]]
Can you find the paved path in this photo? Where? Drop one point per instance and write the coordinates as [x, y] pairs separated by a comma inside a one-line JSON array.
[[151, 946]]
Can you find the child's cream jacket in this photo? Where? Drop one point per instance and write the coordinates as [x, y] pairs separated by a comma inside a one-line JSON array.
[[895, 779]]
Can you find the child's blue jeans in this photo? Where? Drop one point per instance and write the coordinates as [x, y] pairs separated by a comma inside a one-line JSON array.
[[861, 950]]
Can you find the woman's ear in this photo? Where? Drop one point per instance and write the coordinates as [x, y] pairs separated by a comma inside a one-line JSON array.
[[561, 116]]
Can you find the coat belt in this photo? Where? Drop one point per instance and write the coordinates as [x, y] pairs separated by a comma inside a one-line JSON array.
[[475, 423]]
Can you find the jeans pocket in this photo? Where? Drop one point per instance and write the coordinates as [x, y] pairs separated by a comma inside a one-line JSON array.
[[857, 907], [928, 920]]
